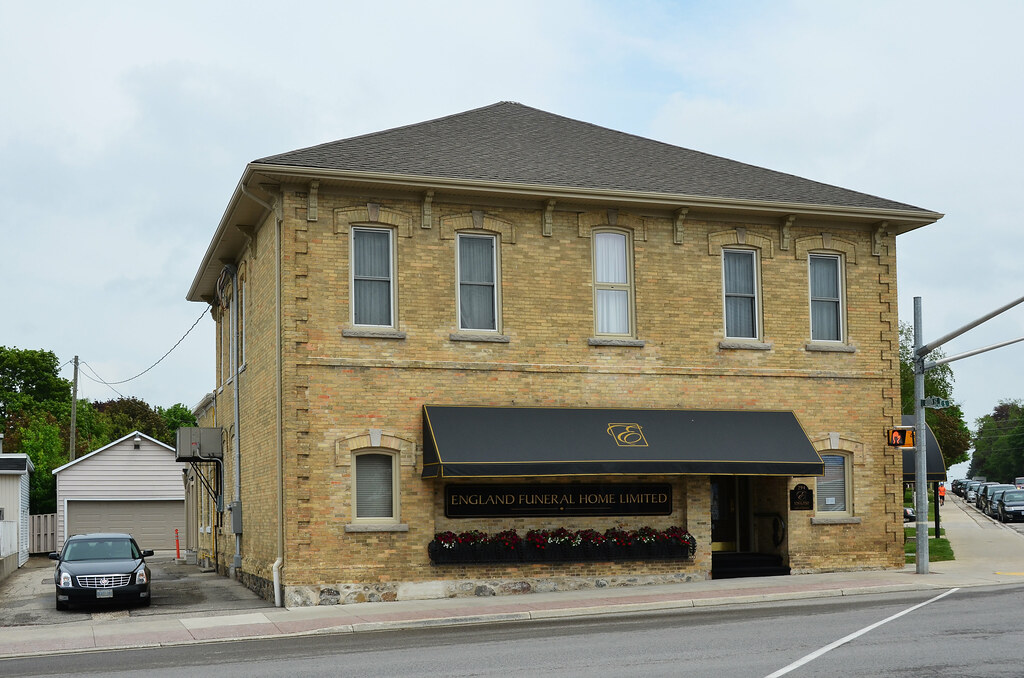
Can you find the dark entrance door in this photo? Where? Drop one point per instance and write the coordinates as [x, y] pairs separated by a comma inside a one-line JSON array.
[[730, 513], [733, 553]]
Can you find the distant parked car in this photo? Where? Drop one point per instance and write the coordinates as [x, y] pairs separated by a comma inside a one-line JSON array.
[[971, 491], [1010, 507], [1019, 482], [985, 496], [991, 504], [98, 567], [908, 515], [980, 491]]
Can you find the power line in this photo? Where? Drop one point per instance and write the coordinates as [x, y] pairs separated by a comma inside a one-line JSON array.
[[98, 379], [111, 384]]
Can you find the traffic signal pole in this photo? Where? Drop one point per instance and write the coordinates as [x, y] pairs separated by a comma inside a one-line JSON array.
[[921, 366], [920, 447]]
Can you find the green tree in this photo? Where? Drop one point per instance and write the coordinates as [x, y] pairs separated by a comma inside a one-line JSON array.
[[35, 404], [999, 443], [30, 379], [126, 415], [38, 434], [176, 416], [92, 429], [947, 424]]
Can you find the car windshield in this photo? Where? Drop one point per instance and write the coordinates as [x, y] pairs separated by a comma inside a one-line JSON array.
[[101, 549], [1011, 496]]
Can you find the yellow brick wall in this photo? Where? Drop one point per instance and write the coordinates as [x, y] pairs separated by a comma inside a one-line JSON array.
[[335, 388]]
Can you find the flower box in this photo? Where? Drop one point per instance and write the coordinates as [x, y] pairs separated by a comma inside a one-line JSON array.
[[561, 545]]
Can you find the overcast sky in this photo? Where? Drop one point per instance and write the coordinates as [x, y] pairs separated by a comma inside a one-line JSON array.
[[124, 127]]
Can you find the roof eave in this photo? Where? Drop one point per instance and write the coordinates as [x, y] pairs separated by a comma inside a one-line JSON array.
[[913, 218], [900, 221], [218, 250]]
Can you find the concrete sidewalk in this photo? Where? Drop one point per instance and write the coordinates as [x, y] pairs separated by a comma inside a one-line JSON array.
[[987, 552]]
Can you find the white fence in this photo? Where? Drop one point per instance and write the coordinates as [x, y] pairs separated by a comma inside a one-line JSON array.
[[8, 537]]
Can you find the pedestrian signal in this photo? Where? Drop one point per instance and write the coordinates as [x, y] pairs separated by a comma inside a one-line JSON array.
[[901, 437]]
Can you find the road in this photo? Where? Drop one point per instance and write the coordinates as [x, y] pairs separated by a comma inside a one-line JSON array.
[[962, 632]]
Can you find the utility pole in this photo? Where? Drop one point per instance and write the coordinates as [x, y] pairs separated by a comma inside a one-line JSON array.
[[74, 413], [921, 366]]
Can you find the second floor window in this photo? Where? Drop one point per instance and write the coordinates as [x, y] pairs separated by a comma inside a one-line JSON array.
[[740, 271], [478, 300], [372, 279], [612, 283], [826, 299]]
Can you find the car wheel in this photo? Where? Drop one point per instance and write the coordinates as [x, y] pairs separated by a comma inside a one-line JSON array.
[[61, 605]]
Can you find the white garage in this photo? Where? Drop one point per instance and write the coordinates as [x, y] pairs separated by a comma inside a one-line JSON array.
[[132, 485]]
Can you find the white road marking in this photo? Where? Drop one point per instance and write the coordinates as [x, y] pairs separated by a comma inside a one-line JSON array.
[[856, 634]]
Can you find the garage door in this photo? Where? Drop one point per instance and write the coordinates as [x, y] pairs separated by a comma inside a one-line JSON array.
[[152, 523]]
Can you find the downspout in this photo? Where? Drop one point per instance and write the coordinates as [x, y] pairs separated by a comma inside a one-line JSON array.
[[236, 564], [278, 586]]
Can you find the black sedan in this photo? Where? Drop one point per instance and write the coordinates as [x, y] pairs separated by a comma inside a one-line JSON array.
[[101, 567], [1011, 506]]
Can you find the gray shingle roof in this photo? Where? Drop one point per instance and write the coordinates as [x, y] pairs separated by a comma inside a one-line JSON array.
[[511, 143]]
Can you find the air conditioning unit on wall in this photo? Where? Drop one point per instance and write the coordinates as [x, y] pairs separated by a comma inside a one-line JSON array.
[[200, 444]]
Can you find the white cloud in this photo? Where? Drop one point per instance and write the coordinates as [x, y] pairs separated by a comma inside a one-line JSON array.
[[125, 127]]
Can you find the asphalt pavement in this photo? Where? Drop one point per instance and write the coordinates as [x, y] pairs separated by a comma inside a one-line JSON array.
[[988, 553]]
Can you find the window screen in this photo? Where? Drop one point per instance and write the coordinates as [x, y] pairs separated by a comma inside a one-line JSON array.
[[374, 492], [832, 486]]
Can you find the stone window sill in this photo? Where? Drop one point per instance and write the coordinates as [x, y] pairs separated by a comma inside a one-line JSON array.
[[744, 345], [838, 520], [611, 341], [377, 527], [368, 333], [479, 336], [829, 347]]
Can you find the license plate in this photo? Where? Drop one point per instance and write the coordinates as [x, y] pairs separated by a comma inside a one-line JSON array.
[[104, 593]]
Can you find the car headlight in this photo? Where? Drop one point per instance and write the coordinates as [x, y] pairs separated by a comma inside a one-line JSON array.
[[140, 576], [65, 579]]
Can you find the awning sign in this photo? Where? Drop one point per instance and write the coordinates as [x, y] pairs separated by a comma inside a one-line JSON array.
[[535, 499]]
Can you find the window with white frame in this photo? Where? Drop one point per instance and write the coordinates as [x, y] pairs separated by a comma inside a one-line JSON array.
[[826, 298], [739, 270], [375, 484], [478, 289], [613, 283], [833, 489], [372, 277]]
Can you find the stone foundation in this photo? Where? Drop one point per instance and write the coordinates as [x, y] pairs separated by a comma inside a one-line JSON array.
[[344, 594]]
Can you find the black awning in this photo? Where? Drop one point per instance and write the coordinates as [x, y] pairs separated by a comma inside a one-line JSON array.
[[936, 464], [491, 442]]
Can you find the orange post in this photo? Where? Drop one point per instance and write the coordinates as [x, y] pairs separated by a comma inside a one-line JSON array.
[[177, 547]]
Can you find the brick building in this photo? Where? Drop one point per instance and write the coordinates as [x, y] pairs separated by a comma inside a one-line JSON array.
[[434, 327]]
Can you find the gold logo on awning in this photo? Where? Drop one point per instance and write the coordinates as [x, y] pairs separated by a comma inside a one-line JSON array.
[[627, 435]]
